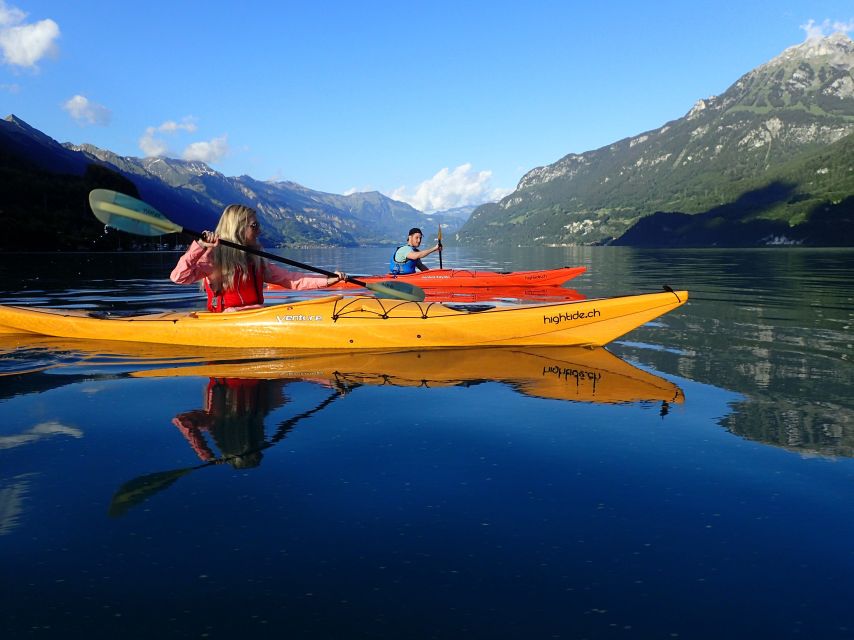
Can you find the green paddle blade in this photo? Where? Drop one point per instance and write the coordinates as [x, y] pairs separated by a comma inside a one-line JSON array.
[[125, 213], [396, 290], [141, 489]]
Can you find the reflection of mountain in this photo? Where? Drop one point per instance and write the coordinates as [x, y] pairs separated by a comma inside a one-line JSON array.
[[791, 399], [32, 381], [32, 364], [13, 493], [772, 326], [795, 383], [825, 428]]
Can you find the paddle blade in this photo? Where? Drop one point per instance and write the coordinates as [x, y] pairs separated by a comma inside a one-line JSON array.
[[141, 489], [396, 290], [125, 213]]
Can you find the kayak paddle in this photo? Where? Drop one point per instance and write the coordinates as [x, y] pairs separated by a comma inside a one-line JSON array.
[[440, 247], [125, 213]]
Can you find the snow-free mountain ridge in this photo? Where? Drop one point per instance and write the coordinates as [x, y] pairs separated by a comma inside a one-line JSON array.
[[727, 146]]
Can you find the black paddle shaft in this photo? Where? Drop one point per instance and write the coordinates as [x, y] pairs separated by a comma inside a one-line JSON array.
[[275, 258]]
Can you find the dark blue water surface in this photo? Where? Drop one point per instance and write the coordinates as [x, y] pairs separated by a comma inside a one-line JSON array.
[[696, 481]]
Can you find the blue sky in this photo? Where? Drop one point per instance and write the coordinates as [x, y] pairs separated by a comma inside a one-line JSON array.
[[438, 103]]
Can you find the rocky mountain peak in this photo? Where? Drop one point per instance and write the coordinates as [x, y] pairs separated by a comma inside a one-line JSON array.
[[816, 75], [13, 119], [28, 130], [159, 164], [836, 49]]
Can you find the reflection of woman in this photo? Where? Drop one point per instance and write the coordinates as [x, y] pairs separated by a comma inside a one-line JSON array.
[[233, 420], [233, 417]]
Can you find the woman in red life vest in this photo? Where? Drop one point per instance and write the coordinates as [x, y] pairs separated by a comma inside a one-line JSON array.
[[234, 279]]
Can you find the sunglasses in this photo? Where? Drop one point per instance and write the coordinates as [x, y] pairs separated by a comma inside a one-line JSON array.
[[254, 225]]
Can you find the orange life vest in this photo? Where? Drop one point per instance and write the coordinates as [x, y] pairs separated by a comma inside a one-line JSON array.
[[241, 293]]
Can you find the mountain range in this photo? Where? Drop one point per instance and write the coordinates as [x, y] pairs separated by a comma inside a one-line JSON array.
[[767, 162], [45, 185]]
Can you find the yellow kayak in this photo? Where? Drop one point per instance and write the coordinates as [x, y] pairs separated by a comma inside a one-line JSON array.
[[360, 322], [561, 373]]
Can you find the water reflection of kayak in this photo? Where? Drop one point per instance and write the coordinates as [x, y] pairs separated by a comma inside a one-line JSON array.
[[566, 373]]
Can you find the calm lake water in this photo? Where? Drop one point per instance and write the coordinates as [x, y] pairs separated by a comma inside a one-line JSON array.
[[695, 480]]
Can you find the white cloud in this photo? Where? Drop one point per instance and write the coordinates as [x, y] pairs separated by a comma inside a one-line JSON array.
[[10, 15], [85, 112], [207, 152], [10, 88], [363, 189], [23, 45], [38, 432], [448, 189], [153, 146], [816, 30], [188, 123]]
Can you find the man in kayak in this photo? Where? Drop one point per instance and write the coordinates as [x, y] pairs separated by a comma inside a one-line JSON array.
[[234, 279], [407, 257]]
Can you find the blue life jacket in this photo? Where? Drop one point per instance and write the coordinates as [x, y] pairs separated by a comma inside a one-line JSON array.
[[398, 268]]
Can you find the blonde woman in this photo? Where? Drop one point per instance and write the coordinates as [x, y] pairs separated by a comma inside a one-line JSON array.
[[234, 279]]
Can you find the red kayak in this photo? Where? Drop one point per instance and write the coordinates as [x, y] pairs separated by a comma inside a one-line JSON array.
[[473, 294], [466, 278]]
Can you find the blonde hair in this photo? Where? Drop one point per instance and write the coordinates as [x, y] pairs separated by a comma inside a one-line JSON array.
[[232, 226]]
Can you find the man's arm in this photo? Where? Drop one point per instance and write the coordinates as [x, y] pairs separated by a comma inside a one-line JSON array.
[[417, 255]]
